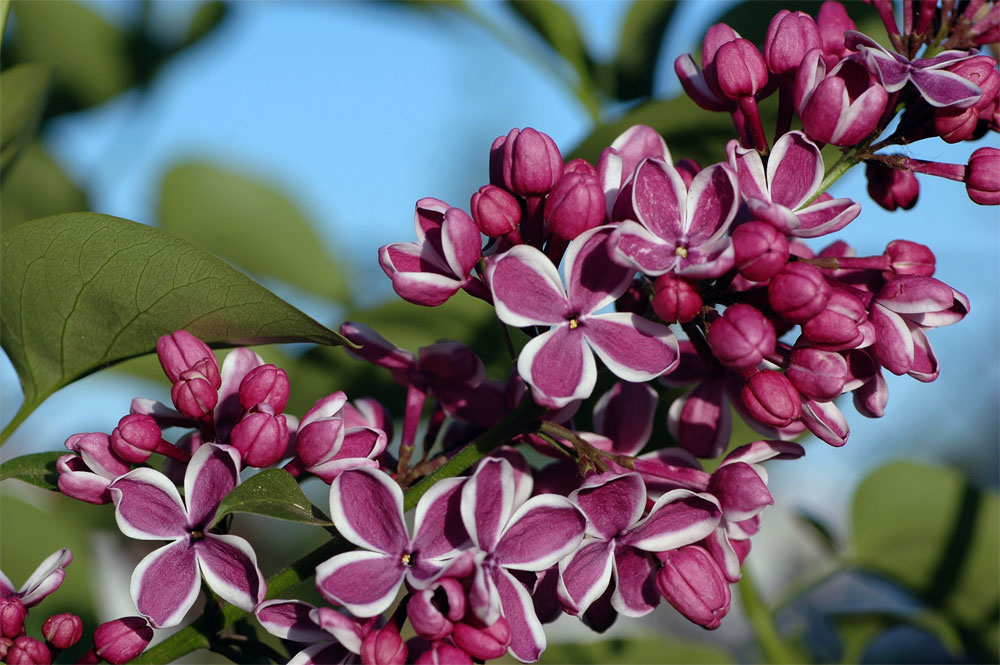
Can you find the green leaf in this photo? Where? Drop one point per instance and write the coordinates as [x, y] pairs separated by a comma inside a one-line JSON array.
[[273, 493], [35, 187], [931, 531], [251, 223], [635, 651], [38, 469], [82, 291], [858, 630], [642, 35], [88, 55], [23, 89]]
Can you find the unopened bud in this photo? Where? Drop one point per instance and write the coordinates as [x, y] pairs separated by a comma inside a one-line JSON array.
[[693, 583], [63, 630], [136, 438], [817, 374], [891, 188], [789, 36], [495, 211], [761, 250], [676, 300], [180, 352], [742, 337], [798, 292], [575, 204], [383, 646], [740, 69], [770, 398], [265, 384], [12, 615], [525, 162], [982, 179], [28, 651], [121, 640], [483, 643], [909, 258], [261, 438]]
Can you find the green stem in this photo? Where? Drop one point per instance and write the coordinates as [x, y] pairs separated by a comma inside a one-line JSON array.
[[833, 174], [199, 634], [762, 622], [807, 582]]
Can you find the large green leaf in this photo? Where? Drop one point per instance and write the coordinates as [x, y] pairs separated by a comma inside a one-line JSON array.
[[23, 89], [38, 469], [251, 223], [36, 187], [89, 56], [639, 47], [272, 493], [928, 529], [82, 291]]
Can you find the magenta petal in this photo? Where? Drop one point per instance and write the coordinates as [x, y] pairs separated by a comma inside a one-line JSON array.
[[526, 288], [585, 574], [893, 340], [484, 601], [925, 364], [165, 584], [943, 88], [826, 421], [527, 635], [326, 653], [761, 451], [633, 348], [437, 526], [913, 294], [711, 205], [461, 241], [147, 506], [624, 414], [794, 169], [740, 490], [659, 198], [543, 530], [635, 582], [228, 410], [749, 169], [593, 279], [701, 420], [213, 471], [487, 502], [367, 442], [229, 567], [365, 583], [45, 579], [825, 217], [679, 517], [558, 366], [634, 245], [425, 288], [289, 619], [344, 630], [375, 348], [77, 481], [366, 506], [611, 502]]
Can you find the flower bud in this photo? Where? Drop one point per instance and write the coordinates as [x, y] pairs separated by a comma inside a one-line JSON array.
[[63, 630], [761, 250], [956, 125], [832, 22], [817, 374], [135, 438], [839, 325], [28, 651], [5, 644], [742, 337], [770, 398], [525, 162], [383, 646], [495, 211], [798, 292], [121, 640], [844, 107], [982, 179], [575, 204], [676, 300], [687, 169], [909, 258], [432, 612], [12, 615], [442, 653], [265, 384], [826, 421], [580, 165], [789, 36], [891, 188], [693, 583], [261, 438], [483, 643], [180, 352], [739, 69], [194, 396]]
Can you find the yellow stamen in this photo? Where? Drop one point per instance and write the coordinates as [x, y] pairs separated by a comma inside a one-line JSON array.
[[406, 559], [573, 324], [681, 252]]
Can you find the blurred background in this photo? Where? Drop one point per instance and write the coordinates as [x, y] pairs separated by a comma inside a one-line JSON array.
[[292, 140]]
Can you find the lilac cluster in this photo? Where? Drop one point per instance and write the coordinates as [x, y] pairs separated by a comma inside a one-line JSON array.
[[618, 522]]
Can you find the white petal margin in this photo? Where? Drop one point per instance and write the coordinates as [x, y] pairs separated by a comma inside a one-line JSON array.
[[585, 383], [527, 635], [185, 601], [569, 519], [235, 548], [536, 267], [484, 597], [634, 334], [663, 540], [495, 511], [289, 619], [157, 481], [317, 655], [45, 579], [370, 606], [342, 521], [439, 491], [591, 554]]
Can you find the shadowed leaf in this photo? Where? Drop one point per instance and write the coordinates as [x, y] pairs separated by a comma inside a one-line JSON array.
[[38, 469], [23, 89], [273, 493]]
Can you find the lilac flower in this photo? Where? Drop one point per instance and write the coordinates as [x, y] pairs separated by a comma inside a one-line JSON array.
[[87, 474], [779, 195], [366, 506], [558, 364], [619, 540], [333, 637], [507, 537], [165, 584], [326, 447], [938, 86], [678, 229], [44, 580], [619, 161]]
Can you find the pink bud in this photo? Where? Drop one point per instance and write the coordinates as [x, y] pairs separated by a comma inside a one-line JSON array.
[[832, 22], [838, 326], [28, 651], [261, 438], [580, 165], [817, 374], [789, 36], [121, 640], [956, 125], [495, 211], [740, 69], [982, 71], [427, 619], [844, 107], [693, 583], [687, 169], [798, 292], [5, 644], [761, 250], [909, 258], [194, 396], [575, 204], [483, 643], [136, 438], [180, 351], [891, 188], [742, 337], [265, 384], [525, 162], [12, 615], [676, 300], [770, 398], [442, 653], [63, 630], [982, 179], [383, 646]]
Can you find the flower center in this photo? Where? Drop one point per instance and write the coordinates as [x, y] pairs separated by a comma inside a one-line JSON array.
[[197, 535], [406, 558], [681, 252], [573, 324]]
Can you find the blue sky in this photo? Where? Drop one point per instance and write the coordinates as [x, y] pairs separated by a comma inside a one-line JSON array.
[[358, 110]]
